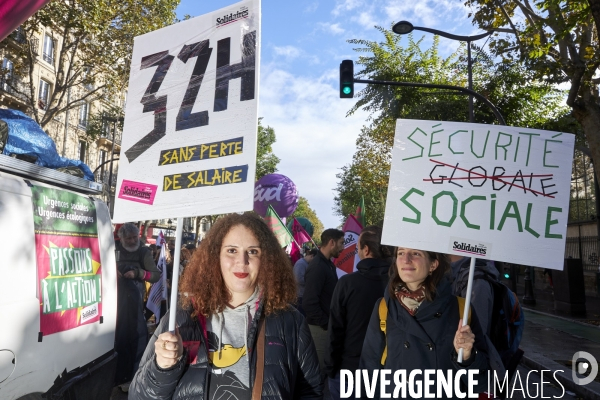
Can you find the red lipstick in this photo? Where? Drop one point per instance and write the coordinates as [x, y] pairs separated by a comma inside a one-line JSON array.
[[241, 275]]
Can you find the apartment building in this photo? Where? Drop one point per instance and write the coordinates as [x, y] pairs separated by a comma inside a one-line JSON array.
[[68, 129]]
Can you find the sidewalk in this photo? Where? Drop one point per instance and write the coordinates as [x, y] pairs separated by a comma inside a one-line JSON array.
[[550, 341], [545, 303]]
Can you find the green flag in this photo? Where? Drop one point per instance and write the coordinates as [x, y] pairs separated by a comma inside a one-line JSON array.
[[360, 211], [283, 235]]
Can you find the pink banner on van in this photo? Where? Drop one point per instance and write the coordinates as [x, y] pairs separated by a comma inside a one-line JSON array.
[[137, 191]]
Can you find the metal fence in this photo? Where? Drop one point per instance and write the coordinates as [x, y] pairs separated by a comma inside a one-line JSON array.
[[586, 248]]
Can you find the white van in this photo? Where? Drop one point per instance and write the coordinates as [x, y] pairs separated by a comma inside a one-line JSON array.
[[58, 286]]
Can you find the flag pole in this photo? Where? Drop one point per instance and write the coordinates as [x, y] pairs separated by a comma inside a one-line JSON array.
[[175, 278], [465, 316]]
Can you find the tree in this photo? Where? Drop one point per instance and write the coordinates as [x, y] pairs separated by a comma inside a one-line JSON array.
[[304, 210], [101, 123], [558, 42], [266, 160], [522, 99], [89, 50]]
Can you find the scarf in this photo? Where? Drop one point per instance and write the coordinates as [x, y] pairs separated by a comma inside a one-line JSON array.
[[410, 300]]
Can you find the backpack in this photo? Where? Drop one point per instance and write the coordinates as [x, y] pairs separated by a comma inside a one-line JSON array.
[[508, 322]]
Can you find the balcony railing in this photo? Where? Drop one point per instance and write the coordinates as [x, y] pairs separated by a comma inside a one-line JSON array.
[[34, 44], [48, 57], [109, 136], [19, 36], [14, 87]]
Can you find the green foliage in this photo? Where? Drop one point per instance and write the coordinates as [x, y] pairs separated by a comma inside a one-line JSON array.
[[101, 124], [305, 211], [266, 160], [92, 52], [521, 98], [555, 40]]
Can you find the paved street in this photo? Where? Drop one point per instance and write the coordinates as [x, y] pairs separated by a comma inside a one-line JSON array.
[[549, 342]]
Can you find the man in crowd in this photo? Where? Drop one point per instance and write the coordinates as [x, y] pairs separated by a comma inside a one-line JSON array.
[[299, 273], [319, 282], [135, 266]]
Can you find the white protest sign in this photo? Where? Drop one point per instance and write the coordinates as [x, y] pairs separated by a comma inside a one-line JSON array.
[[486, 191], [189, 140]]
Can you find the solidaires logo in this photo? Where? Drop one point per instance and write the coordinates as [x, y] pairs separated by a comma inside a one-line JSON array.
[[242, 13], [470, 247]]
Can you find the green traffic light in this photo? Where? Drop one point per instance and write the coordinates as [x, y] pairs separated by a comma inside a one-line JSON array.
[[507, 276], [347, 90]]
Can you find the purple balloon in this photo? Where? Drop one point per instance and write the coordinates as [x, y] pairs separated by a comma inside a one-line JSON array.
[[277, 190]]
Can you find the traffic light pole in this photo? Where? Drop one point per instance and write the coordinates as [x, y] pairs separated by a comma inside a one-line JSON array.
[[435, 86]]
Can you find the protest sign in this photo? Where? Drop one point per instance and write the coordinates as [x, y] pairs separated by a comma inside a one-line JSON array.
[[68, 259], [189, 138], [486, 191], [348, 259]]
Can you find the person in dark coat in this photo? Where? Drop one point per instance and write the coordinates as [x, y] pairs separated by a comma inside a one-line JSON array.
[[135, 267], [353, 299], [319, 282], [237, 281], [423, 326]]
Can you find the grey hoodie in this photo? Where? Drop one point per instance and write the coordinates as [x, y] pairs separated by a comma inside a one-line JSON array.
[[228, 348]]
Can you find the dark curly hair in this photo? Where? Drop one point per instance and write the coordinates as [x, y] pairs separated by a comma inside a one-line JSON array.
[[430, 282], [203, 281]]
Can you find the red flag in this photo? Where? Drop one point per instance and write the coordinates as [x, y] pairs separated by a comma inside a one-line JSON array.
[[300, 236], [299, 233], [346, 262], [295, 254]]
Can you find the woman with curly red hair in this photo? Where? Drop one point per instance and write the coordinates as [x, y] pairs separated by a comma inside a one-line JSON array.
[[238, 336]]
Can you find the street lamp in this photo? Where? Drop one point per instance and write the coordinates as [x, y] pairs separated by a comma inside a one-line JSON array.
[[404, 27]]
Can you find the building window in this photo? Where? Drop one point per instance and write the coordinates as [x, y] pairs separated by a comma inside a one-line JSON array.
[[48, 52], [43, 94], [82, 150], [83, 115], [7, 74]]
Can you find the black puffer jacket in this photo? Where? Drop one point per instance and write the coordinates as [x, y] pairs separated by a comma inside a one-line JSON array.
[[291, 366], [351, 307]]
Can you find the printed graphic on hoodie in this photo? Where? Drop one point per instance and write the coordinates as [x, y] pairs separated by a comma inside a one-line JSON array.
[[227, 351], [224, 383]]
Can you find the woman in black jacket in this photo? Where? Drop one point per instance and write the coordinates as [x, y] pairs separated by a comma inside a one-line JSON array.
[[238, 288], [423, 329]]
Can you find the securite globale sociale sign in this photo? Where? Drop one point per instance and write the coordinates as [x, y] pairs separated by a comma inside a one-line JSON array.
[[486, 191]]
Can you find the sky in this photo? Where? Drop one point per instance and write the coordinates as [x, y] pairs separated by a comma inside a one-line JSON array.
[[303, 44]]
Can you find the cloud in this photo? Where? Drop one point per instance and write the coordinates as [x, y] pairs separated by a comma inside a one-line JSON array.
[[314, 137], [345, 5], [289, 52], [427, 12], [311, 8], [335, 29], [367, 19]]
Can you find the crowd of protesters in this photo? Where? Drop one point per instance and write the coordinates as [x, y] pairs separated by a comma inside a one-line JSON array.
[[240, 290]]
